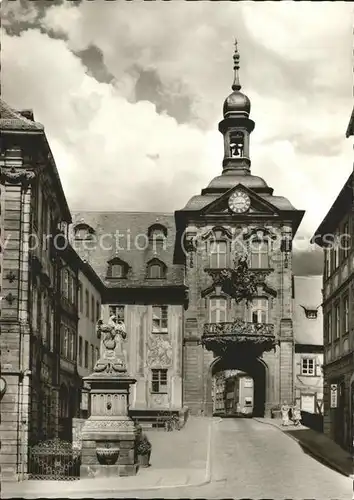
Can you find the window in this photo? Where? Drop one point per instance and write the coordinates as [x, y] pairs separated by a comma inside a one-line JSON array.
[[159, 319], [86, 354], [118, 312], [97, 352], [117, 268], [327, 267], [81, 298], [156, 269], [80, 350], [310, 313], [218, 310], [259, 254], [336, 321], [328, 327], [65, 341], [335, 253], [87, 303], [83, 231], [308, 366], [93, 315], [92, 356], [71, 337], [159, 381], [218, 254], [98, 311], [345, 240], [117, 271], [345, 314], [157, 236], [259, 310], [65, 288]]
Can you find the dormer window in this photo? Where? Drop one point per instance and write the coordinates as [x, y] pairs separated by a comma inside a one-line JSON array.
[[157, 233], [310, 313], [117, 269], [156, 269], [83, 231]]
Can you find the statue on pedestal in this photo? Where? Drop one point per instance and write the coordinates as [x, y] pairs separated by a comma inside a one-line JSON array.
[[112, 357]]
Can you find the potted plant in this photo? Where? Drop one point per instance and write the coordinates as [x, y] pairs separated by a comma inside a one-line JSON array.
[[143, 450]]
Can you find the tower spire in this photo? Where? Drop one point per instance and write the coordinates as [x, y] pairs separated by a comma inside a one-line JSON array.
[[236, 84]]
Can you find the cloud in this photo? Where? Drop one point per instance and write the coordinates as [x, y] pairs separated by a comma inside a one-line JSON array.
[[131, 93]]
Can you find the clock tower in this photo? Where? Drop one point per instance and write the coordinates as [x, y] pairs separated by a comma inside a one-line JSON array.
[[236, 126], [236, 228]]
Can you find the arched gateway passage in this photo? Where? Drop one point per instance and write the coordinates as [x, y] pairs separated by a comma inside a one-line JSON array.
[[253, 366]]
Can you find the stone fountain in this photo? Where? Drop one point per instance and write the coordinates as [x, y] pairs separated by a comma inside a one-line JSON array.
[[109, 434]]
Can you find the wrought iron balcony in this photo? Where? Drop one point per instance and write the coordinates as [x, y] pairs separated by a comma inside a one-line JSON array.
[[258, 336]]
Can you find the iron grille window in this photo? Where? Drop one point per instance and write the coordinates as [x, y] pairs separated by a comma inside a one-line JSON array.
[[259, 254], [159, 380], [159, 319], [118, 311], [218, 310], [218, 255], [308, 366]]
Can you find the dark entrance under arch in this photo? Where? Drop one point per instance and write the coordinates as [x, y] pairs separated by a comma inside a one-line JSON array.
[[253, 366]]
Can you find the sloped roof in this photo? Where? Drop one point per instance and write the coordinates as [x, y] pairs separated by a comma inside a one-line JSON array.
[[129, 230], [11, 120], [308, 295], [350, 129]]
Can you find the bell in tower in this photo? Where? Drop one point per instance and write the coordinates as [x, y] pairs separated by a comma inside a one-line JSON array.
[[236, 126]]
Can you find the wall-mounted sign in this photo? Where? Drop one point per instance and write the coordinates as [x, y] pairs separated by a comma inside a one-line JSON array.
[[3, 386], [334, 396]]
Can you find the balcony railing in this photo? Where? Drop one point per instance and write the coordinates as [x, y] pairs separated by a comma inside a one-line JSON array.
[[239, 327], [223, 336]]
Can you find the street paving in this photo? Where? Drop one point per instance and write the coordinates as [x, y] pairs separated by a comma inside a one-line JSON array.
[[248, 459], [257, 461]]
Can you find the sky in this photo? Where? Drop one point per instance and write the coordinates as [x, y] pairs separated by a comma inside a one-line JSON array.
[[131, 93]]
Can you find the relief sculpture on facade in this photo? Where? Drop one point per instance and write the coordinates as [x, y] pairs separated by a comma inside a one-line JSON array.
[[159, 352]]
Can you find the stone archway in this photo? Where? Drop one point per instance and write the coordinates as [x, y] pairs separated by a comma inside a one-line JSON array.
[[254, 366]]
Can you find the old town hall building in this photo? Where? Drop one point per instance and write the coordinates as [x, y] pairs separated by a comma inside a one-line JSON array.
[[170, 277], [165, 278]]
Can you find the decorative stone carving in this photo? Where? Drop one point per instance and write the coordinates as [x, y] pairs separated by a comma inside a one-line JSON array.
[[159, 351], [10, 298], [218, 336], [10, 276], [112, 356], [16, 176]]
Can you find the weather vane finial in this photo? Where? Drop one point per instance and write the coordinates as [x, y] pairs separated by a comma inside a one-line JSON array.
[[236, 85]]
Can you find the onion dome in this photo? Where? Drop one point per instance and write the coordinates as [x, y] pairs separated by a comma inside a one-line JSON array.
[[237, 102]]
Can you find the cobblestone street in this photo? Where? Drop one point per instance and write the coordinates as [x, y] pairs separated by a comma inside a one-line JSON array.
[[247, 459]]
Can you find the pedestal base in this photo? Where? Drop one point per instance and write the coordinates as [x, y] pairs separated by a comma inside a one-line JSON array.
[[92, 471]]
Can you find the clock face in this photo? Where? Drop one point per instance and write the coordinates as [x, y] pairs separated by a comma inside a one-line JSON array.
[[239, 202]]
